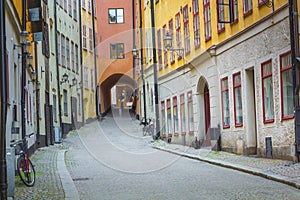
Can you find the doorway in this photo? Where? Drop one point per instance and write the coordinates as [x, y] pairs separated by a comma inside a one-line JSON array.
[[251, 126], [204, 112]]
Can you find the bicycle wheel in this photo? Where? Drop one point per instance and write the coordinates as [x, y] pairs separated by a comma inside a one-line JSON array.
[[26, 171]]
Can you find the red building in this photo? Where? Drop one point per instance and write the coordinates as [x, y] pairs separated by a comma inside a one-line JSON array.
[[115, 41]]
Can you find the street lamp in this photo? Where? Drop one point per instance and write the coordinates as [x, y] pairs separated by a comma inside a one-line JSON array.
[[64, 78], [168, 44], [29, 59], [74, 82]]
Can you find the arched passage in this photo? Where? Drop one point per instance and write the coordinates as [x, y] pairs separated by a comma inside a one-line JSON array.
[[120, 80]]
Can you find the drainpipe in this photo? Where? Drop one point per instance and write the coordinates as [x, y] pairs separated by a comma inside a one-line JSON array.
[[23, 28], [133, 43], [57, 70], [3, 165], [142, 60], [95, 59], [293, 17], [157, 123], [80, 63]]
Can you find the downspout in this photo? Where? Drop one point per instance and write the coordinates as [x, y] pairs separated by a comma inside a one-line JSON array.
[[157, 123], [80, 63], [142, 59], [95, 59], [293, 30], [57, 70], [3, 165], [23, 83], [133, 43], [37, 97]]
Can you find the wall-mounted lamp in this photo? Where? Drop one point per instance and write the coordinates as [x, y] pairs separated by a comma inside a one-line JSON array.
[[74, 82], [168, 44], [29, 59], [64, 78], [135, 54], [23, 37]]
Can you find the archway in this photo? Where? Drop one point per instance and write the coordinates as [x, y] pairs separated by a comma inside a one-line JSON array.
[[204, 112]]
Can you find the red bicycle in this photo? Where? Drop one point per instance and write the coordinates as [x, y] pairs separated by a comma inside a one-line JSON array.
[[24, 165]]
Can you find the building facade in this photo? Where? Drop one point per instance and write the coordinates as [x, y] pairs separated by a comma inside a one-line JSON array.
[[90, 58], [226, 81], [115, 42]]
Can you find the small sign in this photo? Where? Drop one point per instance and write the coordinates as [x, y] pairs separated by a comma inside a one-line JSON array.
[[37, 36], [34, 14]]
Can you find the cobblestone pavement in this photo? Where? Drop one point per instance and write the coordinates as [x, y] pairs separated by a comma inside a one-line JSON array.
[[284, 171], [48, 185]]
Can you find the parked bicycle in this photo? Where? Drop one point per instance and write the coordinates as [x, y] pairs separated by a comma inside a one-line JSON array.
[[148, 128], [24, 165]]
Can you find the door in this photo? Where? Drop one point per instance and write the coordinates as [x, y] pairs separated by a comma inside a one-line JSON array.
[[207, 114]]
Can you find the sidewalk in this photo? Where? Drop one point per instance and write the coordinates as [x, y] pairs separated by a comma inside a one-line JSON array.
[[283, 171]]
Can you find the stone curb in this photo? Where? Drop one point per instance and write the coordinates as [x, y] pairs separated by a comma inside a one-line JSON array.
[[249, 170], [65, 177]]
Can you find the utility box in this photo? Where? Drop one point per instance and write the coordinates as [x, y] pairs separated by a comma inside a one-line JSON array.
[[297, 124], [57, 134], [269, 147], [10, 160]]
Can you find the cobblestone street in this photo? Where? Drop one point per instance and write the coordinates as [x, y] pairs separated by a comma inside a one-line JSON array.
[[111, 160]]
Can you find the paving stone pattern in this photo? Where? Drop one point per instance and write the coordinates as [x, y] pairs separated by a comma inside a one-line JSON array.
[[48, 184]]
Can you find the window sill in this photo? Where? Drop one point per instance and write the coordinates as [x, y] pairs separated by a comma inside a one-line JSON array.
[[268, 121], [287, 117], [226, 126]]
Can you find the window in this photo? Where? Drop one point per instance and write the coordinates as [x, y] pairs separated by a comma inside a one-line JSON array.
[[182, 114], [247, 7], [165, 50], [171, 34], [89, 6], [84, 45], [92, 79], [72, 56], [267, 91], [115, 15], [225, 103], [75, 9], [235, 11], [163, 118], [54, 108], [287, 105], [63, 51], [175, 116], [65, 92], [190, 112], [27, 105], [221, 16], [76, 58], [238, 110], [65, 5], [207, 25], [91, 39], [159, 49], [187, 47], [169, 118], [261, 2], [86, 78], [83, 4], [117, 51], [178, 33], [70, 7], [196, 23], [58, 48], [68, 53]]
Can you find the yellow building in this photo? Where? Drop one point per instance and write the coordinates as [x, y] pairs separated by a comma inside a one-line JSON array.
[[89, 54], [226, 79]]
